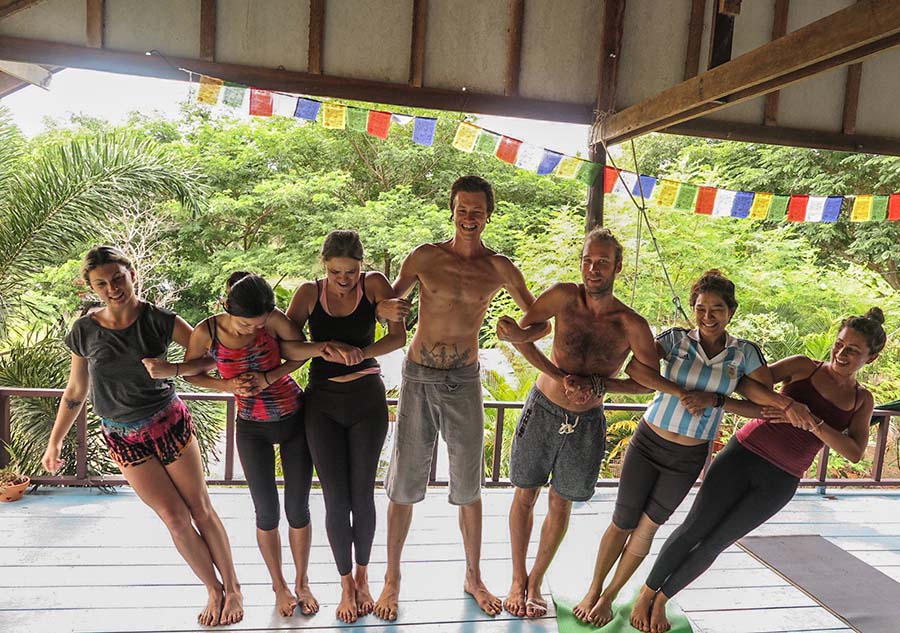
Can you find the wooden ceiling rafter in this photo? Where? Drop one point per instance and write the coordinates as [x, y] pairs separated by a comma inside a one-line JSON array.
[[11, 7], [316, 36], [133, 63], [721, 37], [779, 29], [208, 15], [514, 27], [694, 39], [417, 43], [851, 98], [844, 37]]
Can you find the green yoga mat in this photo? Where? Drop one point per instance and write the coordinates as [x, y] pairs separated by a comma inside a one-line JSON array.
[[568, 623]]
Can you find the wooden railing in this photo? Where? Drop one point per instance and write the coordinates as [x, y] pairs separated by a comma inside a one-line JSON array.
[[881, 419]]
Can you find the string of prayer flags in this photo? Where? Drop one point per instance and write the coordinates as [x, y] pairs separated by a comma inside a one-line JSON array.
[[357, 119], [307, 109], [260, 102], [487, 142], [548, 162], [379, 124], [423, 130], [803, 208], [209, 90], [508, 149], [334, 116], [466, 136]]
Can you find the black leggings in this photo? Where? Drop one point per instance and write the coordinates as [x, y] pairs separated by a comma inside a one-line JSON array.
[[256, 449], [346, 423], [656, 476], [741, 491]]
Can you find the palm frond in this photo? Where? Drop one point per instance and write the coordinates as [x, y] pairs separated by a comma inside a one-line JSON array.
[[10, 151]]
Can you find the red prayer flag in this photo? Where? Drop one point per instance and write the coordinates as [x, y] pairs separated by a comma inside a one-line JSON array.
[[379, 123], [260, 102], [706, 198], [894, 207], [610, 175], [797, 208], [508, 149]]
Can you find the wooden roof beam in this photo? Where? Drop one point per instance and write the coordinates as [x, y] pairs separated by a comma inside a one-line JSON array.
[[779, 29], [694, 39], [844, 37], [417, 44], [514, 27], [95, 18], [851, 98], [316, 36], [10, 7], [721, 38], [208, 13], [131, 63]]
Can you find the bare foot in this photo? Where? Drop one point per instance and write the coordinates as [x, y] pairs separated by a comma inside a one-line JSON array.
[[233, 609], [659, 623], [515, 600], [210, 615], [488, 602], [583, 608], [307, 601], [386, 607], [601, 614], [285, 601], [346, 610], [535, 605], [640, 612], [365, 603]]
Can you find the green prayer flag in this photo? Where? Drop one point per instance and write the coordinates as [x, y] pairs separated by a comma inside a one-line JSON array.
[[587, 172], [686, 197], [487, 142], [234, 94], [778, 210], [879, 207], [357, 119]]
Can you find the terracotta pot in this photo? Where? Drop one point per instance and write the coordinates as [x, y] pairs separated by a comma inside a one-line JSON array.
[[15, 492], [717, 446]]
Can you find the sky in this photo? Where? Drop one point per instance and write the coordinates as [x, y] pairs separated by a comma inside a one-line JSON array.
[[112, 96]]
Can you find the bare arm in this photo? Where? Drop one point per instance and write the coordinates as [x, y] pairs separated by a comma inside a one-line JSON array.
[[161, 368], [644, 365], [70, 404], [198, 347], [796, 413], [852, 446], [396, 335], [541, 310], [515, 285]]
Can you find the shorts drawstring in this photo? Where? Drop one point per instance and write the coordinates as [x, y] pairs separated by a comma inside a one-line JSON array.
[[566, 428]]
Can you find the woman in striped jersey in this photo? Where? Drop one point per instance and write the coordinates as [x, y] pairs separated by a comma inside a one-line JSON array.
[[758, 471], [702, 368]]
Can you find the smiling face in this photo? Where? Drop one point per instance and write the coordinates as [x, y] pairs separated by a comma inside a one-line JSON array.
[[470, 214], [850, 352], [599, 267], [711, 314], [342, 272], [113, 283]]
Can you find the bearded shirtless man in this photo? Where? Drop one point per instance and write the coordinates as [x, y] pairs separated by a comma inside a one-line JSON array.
[[441, 388], [562, 430]]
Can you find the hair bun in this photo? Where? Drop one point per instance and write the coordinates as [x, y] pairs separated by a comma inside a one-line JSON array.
[[876, 315], [713, 272]]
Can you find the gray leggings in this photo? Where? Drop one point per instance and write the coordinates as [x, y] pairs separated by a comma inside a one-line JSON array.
[[656, 476], [741, 491]]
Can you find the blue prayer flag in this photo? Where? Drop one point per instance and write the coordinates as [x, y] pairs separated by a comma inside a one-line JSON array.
[[423, 130], [740, 208], [832, 210], [548, 162], [645, 185], [307, 109]]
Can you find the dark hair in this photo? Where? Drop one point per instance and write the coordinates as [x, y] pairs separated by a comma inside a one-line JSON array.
[[870, 326], [714, 281], [473, 184], [250, 296], [342, 243], [100, 256], [235, 277], [603, 234]]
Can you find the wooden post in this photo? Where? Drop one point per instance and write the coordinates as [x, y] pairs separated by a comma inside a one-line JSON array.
[[5, 429], [229, 439], [779, 28], [208, 30], [594, 215], [81, 465], [94, 23], [417, 44], [884, 425], [514, 46], [316, 36], [695, 34], [498, 445]]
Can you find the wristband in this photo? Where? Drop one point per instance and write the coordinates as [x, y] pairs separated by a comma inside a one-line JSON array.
[[720, 400], [598, 385], [266, 378], [177, 368], [790, 404]]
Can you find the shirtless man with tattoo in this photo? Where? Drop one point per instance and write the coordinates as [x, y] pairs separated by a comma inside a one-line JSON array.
[[562, 430], [441, 388]]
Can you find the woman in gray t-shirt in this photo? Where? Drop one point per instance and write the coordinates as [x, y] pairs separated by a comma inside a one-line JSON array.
[[146, 426]]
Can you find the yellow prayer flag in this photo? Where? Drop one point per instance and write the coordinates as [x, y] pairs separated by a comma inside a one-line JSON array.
[[862, 209], [334, 116], [666, 193], [567, 167], [759, 210], [209, 90], [466, 135]]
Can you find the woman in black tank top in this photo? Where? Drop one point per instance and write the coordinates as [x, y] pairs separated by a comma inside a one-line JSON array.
[[345, 408]]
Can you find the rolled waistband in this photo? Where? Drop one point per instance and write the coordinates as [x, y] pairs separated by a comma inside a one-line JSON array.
[[432, 375], [546, 403]]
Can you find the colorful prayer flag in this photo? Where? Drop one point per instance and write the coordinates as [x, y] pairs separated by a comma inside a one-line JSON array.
[[587, 171], [832, 209], [666, 192], [402, 119], [334, 116], [379, 124], [234, 94], [894, 207], [548, 162], [567, 167], [487, 142], [208, 92], [779, 206], [743, 200], [423, 130], [760, 207], [307, 109], [797, 208], [610, 177], [880, 207], [529, 157], [684, 200], [724, 203], [643, 187], [508, 150], [624, 183], [283, 105], [260, 102], [706, 200], [466, 134], [357, 119]]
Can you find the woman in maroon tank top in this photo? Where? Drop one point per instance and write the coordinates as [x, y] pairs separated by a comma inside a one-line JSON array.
[[758, 471]]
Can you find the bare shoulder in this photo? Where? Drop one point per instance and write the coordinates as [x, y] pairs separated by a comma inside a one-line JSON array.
[[377, 286], [201, 331], [632, 318]]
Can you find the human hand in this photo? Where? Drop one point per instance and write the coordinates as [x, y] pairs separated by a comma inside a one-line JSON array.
[[392, 309], [337, 352], [696, 401], [799, 415], [51, 461], [578, 389], [239, 386], [508, 330], [254, 381], [158, 368]]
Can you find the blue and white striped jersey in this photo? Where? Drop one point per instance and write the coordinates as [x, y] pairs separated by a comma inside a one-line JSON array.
[[686, 363]]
